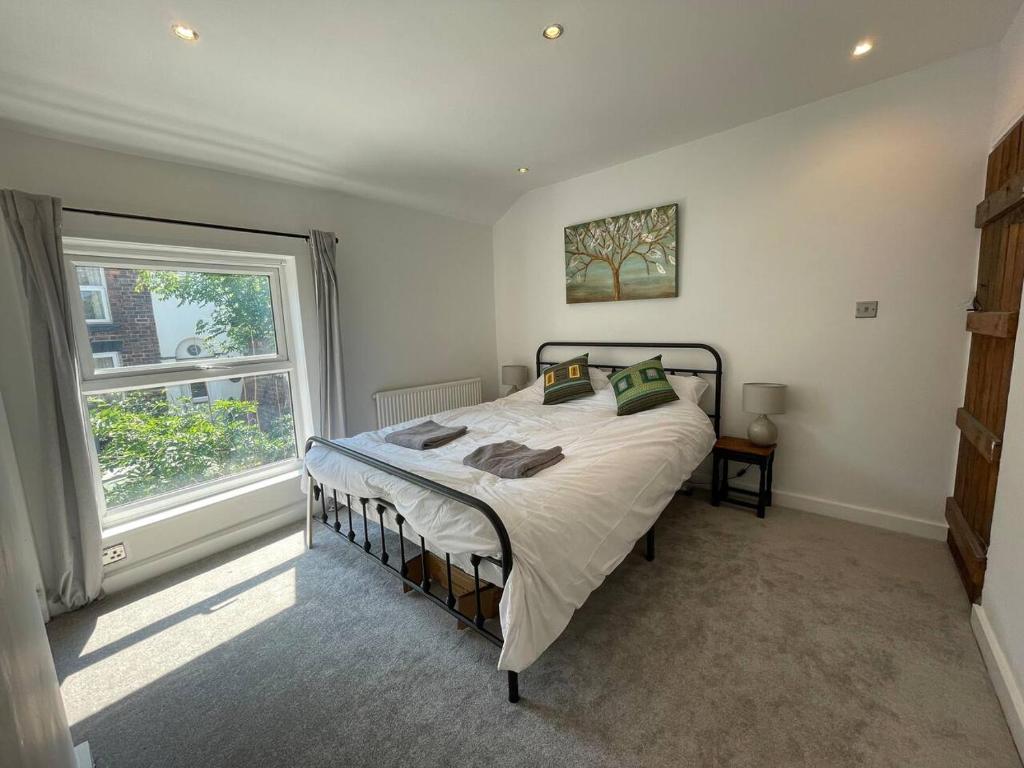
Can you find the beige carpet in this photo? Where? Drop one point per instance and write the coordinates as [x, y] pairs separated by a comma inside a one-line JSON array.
[[793, 641]]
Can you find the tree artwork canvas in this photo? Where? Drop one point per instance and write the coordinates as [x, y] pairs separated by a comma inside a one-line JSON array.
[[631, 256]]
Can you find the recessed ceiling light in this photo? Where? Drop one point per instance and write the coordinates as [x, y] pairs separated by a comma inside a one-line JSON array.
[[862, 48], [553, 31], [523, 169], [185, 33]]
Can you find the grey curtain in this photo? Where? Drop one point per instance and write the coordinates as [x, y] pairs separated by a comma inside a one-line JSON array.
[[66, 529], [328, 319]]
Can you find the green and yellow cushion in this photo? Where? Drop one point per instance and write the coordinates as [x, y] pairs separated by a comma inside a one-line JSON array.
[[642, 386], [567, 381]]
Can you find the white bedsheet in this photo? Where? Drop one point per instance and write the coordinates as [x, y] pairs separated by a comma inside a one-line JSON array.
[[570, 525]]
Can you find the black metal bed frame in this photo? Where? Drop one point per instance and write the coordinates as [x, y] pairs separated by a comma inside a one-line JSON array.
[[715, 416], [319, 492]]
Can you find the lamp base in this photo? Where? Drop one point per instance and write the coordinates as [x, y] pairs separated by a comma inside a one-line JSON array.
[[762, 431]]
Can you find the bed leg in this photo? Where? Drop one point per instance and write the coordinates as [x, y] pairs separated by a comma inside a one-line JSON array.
[[513, 687], [649, 545], [309, 514]]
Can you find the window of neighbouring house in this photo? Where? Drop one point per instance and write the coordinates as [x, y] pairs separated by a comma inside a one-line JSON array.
[[93, 287], [188, 383], [103, 360]]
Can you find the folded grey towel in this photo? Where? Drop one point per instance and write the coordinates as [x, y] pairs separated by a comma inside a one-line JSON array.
[[425, 435], [513, 460]]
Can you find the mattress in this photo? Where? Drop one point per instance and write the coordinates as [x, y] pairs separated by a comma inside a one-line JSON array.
[[570, 525]]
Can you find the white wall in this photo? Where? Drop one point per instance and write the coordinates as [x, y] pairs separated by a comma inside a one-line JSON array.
[[416, 290], [1009, 99], [1001, 625], [785, 224]]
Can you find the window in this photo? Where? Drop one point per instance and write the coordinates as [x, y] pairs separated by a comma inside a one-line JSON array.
[[95, 302], [104, 360], [190, 388]]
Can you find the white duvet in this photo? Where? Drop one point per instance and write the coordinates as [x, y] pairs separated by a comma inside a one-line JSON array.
[[570, 525]]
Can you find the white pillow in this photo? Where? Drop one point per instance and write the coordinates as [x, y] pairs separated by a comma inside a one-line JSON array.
[[599, 379], [689, 387]]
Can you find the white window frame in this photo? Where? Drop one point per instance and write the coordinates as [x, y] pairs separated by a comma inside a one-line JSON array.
[[101, 289], [115, 356], [289, 359]]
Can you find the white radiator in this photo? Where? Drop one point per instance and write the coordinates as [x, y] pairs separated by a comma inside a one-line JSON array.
[[397, 405]]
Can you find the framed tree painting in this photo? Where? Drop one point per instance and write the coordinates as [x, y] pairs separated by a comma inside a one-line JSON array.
[[630, 256]]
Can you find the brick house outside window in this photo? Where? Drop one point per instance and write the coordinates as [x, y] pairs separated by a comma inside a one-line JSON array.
[[120, 321]]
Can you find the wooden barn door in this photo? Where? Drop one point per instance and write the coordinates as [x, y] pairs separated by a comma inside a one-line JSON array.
[[993, 329]]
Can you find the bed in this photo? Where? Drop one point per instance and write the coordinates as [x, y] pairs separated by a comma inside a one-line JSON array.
[[547, 541]]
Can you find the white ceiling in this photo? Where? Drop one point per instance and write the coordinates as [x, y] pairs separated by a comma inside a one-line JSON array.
[[435, 103]]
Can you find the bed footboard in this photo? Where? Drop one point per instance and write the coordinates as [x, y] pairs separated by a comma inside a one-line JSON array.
[[361, 525], [355, 525]]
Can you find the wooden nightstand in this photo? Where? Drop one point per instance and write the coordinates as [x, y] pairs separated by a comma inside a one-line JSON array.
[[740, 449]]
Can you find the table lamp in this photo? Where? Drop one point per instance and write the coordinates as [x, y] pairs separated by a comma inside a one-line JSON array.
[[514, 376], [762, 399]]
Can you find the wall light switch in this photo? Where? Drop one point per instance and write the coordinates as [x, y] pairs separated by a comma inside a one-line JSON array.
[[867, 309], [113, 553]]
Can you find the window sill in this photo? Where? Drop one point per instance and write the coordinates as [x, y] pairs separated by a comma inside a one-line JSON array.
[[120, 528]]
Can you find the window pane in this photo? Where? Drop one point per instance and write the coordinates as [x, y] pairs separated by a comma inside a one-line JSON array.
[[90, 276], [161, 439], [168, 316], [93, 301], [106, 360]]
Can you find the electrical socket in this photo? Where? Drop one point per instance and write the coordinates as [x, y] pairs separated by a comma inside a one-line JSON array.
[[866, 309], [114, 553]]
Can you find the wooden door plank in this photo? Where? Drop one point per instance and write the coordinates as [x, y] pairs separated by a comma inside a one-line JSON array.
[[997, 170], [998, 274], [986, 259], [1001, 201], [978, 435], [970, 568], [990, 175], [999, 324], [983, 524], [974, 365], [1012, 145], [1019, 143], [973, 553], [1009, 266], [973, 546], [1014, 270]]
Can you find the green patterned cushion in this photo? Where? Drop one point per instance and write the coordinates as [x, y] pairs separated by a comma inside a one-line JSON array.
[[642, 386], [567, 381]]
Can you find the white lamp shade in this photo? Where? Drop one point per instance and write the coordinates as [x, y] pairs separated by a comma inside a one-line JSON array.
[[764, 398], [515, 375]]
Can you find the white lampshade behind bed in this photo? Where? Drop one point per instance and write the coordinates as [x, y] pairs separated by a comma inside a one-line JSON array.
[[515, 376], [763, 398]]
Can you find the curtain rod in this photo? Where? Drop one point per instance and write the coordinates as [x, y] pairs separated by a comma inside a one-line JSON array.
[[183, 222]]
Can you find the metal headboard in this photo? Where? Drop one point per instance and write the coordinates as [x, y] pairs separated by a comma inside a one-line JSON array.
[[715, 415]]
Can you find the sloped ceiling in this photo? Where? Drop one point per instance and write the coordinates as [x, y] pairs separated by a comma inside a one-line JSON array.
[[436, 103]]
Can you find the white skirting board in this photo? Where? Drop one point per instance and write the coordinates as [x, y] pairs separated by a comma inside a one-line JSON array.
[[879, 518], [83, 755], [1007, 690]]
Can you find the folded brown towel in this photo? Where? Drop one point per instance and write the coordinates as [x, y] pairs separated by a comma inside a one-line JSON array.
[[512, 460], [425, 435]]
